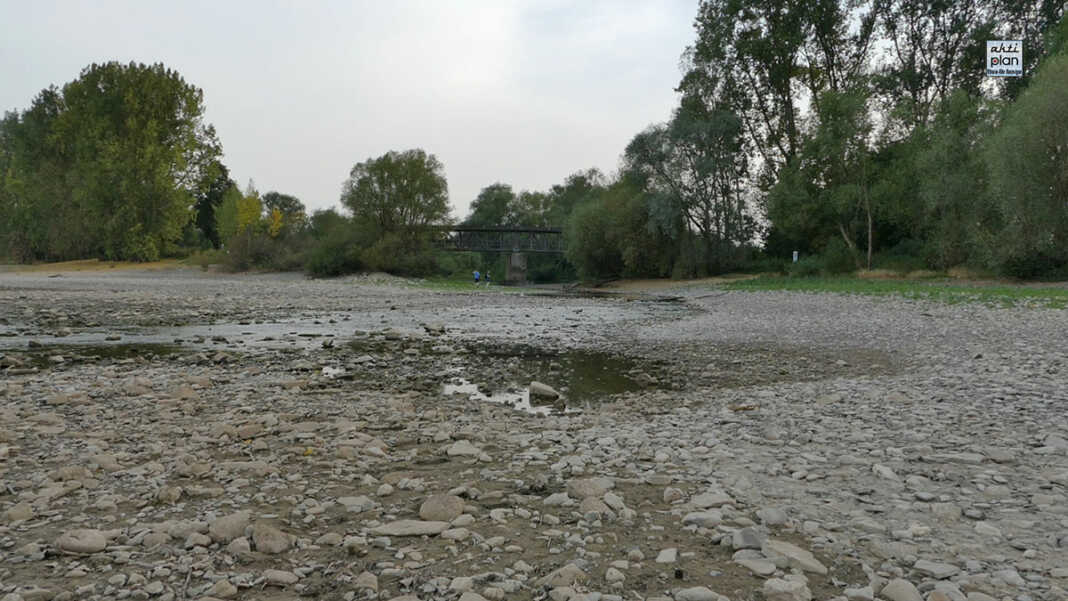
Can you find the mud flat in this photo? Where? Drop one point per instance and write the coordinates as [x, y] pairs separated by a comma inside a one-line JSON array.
[[180, 435]]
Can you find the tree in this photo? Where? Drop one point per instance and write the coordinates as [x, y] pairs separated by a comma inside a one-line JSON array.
[[398, 191], [494, 206], [286, 212], [953, 179], [829, 185], [208, 197], [114, 159], [1028, 162], [694, 170]]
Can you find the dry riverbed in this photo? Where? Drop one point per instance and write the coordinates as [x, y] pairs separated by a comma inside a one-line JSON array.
[[181, 435]]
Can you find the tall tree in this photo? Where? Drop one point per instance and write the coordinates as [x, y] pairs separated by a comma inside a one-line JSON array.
[[114, 159], [209, 196], [494, 206], [398, 190], [287, 213], [1028, 162]]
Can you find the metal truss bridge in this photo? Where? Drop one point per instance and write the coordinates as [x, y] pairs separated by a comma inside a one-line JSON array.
[[502, 239]]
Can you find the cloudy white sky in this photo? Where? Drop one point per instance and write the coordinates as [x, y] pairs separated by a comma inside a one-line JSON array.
[[519, 92]]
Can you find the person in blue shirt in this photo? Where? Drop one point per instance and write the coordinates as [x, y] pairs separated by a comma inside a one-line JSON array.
[[476, 278]]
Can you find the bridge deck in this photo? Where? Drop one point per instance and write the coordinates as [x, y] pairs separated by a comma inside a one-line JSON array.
[[502, 239]]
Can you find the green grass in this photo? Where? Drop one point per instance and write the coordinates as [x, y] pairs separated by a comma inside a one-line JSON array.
[[944, 291]]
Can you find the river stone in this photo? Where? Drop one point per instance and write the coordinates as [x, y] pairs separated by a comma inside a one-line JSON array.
[[900, 589], [795, 556], [564, 576], [463, 448], [542, 391], [19, 512], [667, 555], [280, 577], [229, 527], [698, 593], [410, 528], [940, 571], [589, 487], [441, 508], [712, 498], [269, 539], [705, 519], [356, 504], [82, 541], [777, 589], [747, 538], [759, 567]]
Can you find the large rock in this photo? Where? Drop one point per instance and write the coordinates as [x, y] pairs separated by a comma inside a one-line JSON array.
[[792, 555], [82, 541], [777, 589], [589, 487], [356, 504], [564, 576], [712, 498], [941, 571], [441, 508], [698, 593], [280, 577], [229, 527], [542, 391], [462, 448], [19, 512], [900, 589], [410, 528], [705, 519], [269, 539]]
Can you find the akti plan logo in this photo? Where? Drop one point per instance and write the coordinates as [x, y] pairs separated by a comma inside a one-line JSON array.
[[1004, 58]]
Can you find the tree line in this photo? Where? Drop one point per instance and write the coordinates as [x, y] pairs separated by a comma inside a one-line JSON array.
[[861, 135]]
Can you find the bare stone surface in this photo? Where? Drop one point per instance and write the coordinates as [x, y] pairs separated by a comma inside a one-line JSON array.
[[280, 437]]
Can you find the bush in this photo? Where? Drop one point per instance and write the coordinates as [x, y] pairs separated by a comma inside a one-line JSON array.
[[838, 257], [335, 254], [807, 267], [398, 254]]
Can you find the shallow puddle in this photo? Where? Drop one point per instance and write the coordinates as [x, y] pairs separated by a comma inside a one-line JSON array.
[[503, 375]]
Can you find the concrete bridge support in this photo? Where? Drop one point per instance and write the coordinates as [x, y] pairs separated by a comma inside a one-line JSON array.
[[516, 270]]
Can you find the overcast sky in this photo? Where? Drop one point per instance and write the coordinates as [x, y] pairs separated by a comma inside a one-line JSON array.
[[524, 93]]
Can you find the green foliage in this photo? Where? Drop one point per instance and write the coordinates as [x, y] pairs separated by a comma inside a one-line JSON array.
[[494, 206], [399, 253], [612, 236], [1028, 163], [337, 246], [398, 190], [108, 166], [285, 213]]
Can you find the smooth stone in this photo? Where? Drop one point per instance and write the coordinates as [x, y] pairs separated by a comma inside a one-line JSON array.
[[698, 593], [411, 528], [82, 541], [776, 589], [589, 487], [796, 556], [441, 508], [940, 571], [229, 527], [900, 589], [667, 556]]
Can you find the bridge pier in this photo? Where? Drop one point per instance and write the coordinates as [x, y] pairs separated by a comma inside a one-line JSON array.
[[516, 269]]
